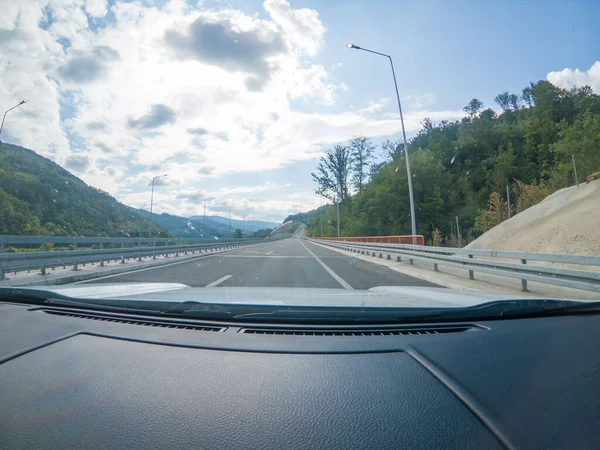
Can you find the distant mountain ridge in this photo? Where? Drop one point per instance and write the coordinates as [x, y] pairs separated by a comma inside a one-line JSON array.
[[184, 227], [246, 225], [216, 226], [39, 197]]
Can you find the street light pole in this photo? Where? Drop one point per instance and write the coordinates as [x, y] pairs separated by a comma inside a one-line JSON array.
[[152, 201], [4, 117], [338, 218], [408, 171]]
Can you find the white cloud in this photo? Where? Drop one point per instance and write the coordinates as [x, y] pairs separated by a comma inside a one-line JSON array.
[[96, 8], [118, 104], [302, 27], [568, 78], [420, 101], [376, 106]]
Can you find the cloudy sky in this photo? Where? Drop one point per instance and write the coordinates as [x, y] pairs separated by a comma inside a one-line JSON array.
[[236, 100]]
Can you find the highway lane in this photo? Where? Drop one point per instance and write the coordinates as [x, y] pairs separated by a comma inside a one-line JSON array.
[[285, 263]]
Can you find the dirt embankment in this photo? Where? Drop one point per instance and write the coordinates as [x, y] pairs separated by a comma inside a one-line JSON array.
[[567, 221]]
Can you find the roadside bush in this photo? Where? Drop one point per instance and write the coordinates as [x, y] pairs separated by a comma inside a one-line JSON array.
[[529, 195]]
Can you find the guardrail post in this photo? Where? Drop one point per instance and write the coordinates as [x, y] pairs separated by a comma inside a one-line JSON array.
[[399, 258], [101, 257], [1, 249], [1, 273], [435, 267], [524, 282], [471, 273], [43, 270]]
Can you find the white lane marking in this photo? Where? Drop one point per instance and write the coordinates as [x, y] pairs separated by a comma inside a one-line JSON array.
[[219, 281], [268, 256], [259, 253], [162, 266], [331, 272]]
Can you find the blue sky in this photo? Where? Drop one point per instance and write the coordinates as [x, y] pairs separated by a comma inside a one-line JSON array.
[[457, 50], [238, 99]]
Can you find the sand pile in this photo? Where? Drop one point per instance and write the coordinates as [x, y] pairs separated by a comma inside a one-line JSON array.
[[567, 221]]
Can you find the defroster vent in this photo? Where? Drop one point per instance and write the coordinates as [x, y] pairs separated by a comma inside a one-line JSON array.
[[145, 323], [365, 332]]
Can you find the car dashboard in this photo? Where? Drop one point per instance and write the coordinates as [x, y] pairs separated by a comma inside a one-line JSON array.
[[74, 378]]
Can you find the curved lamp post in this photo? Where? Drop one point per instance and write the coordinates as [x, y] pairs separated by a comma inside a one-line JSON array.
[[408, 172], [4, 117]]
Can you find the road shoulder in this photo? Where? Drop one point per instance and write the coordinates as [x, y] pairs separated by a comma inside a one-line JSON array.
[[458, 279]]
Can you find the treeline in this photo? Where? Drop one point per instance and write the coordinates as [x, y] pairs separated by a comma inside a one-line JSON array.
[[38, 197], [462, 169], [264, 233]]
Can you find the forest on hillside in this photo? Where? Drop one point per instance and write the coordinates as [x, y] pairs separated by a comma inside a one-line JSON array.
[[38, 197], [463, 171]]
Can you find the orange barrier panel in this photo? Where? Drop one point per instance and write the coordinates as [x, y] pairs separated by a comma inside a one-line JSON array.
[[409, 239]]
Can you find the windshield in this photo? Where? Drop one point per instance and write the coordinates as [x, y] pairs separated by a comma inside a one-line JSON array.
[[294, 152]]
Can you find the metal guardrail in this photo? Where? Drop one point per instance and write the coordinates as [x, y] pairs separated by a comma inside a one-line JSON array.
[[416, 239], [44, 260], [8, 240], [463, 258]]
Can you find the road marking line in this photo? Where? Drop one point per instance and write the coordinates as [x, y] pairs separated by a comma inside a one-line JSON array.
[[268, 253], [219, 281], [331, 272], [162, 266], [269, 256]]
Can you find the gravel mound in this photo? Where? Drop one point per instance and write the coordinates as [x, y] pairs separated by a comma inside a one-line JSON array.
[[567, 221]]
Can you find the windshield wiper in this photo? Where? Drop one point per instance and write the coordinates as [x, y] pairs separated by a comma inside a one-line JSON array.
[[199, 309], [501, 309], [494, 310], [48, 298], [512, 309], [96, 306]]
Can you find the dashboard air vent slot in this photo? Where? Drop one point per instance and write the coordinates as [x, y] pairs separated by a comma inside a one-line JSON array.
[[366, 332], [145, 323]]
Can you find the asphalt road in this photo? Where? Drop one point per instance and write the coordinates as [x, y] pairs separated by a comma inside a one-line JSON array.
[[286, 263]]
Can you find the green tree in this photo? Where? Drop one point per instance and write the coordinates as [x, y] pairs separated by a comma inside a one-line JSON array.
[[473, 108], [332, 174], [582, 140], [361, 152], [238, 233]]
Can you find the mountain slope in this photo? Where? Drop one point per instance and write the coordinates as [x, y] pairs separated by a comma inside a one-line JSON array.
[[184, 227], [216, 226], [223, 223], [38, 197]]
